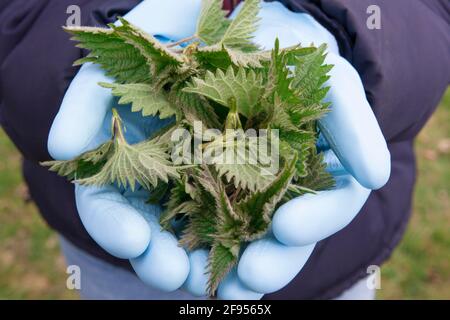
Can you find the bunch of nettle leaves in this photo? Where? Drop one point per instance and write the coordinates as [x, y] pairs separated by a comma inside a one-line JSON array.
[[220, 78]]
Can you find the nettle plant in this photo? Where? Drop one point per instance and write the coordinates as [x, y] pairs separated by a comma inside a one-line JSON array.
[[222, 79]]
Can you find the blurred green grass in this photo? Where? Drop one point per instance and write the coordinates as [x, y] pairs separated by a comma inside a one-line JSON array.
[[420, 267], [31, 266]]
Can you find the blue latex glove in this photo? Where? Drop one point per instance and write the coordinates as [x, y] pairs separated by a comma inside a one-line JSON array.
[[356, 154], [120, 221]]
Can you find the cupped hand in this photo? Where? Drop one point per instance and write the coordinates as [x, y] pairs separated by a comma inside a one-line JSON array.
[[119, 220], [355, 152]]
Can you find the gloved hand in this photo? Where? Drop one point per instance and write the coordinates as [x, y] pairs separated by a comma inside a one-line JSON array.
[[119, 221], [356, 154]]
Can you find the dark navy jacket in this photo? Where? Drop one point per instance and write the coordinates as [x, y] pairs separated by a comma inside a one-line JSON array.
[[405, 67]]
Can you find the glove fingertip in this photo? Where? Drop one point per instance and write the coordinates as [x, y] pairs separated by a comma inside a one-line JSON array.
[[196, 283], [112, 222], [375, 177], [231, 288], [81, 115], [164, 265], [285, 263]]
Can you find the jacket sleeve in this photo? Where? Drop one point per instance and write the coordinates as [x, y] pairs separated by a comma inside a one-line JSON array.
[[36, 59], [405, 65]]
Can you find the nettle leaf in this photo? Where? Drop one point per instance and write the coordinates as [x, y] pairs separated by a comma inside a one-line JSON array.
[[63, 168], [215, 217], [238, 160], [235, 46], [120, 59], [158, 55], [280, 118], [199, 230], [158, 193], [193, 106], [244, 88], [212, 23], [302, 163], [317, 178], [143, 98], [188, 207], [144, 163], [221, 260], [279, 80], [178, 196], [202, 224], [212, 184], [260, 206], [125, 52], [301, 115], [247, 58], [213, 57], [299, 139], [221, 56], [85, 165], [240, 32], [310, 76], [291, 53], [303, 143]]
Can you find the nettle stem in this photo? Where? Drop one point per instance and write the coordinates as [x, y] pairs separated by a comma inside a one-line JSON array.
[[181, 41], [117, 129]]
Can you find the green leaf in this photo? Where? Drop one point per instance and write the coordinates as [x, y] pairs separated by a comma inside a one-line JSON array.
[[213, 57], [295, 51], [302, 163], [158, 193], [279, 118], [298, 139], [201, 226], [309, 77], [143, 98], [199, 231], [235, 46], [317, 177], [177, 198], [158, 55], [303, 142], [241, 163], [194, 107], [247, 59], [187, 207], [221, 56], [125, 52], [85, 165], [221, 261], [63, 168], [260, 206], [215, 218], [240, 32], [244, 87], [120, 59], [303, 114], [279, 77], [144, 163], [212, 23], [212, 184]]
